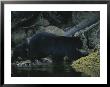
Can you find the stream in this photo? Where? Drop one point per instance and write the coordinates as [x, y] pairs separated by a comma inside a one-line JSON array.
[[44, 70]]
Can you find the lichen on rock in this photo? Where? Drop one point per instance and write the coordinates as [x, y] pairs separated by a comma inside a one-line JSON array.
[[89, 65]]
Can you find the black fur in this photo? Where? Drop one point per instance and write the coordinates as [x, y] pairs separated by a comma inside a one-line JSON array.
[[44, 44]]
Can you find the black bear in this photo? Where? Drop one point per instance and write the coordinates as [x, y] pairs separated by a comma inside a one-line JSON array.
[[46, 44]]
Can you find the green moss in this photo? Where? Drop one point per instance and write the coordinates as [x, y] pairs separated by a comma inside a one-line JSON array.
[[89, 65]]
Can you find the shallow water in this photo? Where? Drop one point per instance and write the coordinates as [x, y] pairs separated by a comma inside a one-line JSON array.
[[45, 71]]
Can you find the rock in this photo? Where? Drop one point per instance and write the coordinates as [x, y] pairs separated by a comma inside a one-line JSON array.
[[41, 21], [51, 29], [18, 36], [90, 36], [26, 63], [93, 37], [90, 65], [47, 60]]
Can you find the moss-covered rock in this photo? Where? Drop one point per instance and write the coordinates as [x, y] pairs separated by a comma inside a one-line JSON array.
[[89, 65]]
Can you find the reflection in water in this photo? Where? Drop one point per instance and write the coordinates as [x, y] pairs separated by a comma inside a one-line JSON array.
[[44, 71]]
